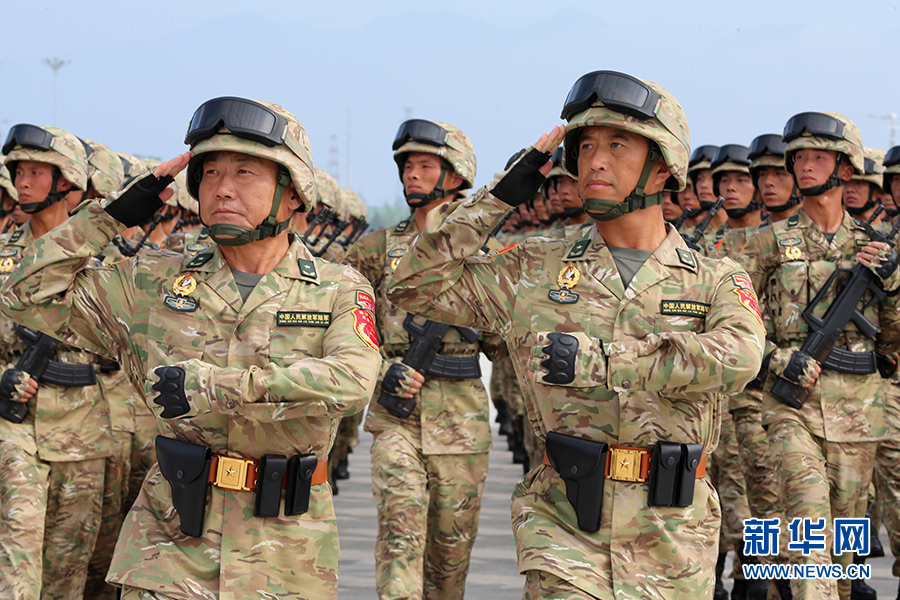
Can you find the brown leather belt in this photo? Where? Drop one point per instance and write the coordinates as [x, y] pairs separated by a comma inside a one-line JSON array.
[[240, 474], [627, 463]]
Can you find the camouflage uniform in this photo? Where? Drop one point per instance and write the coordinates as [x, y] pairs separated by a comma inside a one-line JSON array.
[[258, 380], [428, 470], [52, 464]]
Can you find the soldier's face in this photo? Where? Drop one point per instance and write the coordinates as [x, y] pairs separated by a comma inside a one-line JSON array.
[[422, 172], [34, 180], [556, 206], [813, 167], [705, 186], [687, 199], [775, 186], [568, 192], [238, 189], [895, 189], [610, 162], [670, 210], [856, 193], [736, 188], [540, 207]]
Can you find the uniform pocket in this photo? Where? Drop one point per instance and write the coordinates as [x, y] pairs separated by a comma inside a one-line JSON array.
[[789, 297]]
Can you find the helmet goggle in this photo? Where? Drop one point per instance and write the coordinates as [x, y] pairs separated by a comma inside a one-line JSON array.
[[892, 157], [244, 118], [422, 131], [28, 136], [770, 143], [618, 91], [731, 153], [814, 123], [701, 154]]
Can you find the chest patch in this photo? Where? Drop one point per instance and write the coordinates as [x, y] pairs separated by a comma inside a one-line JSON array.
[[790, 242], [684, 308], [180, 304], [197, 247], [293, 318], [8, 252]]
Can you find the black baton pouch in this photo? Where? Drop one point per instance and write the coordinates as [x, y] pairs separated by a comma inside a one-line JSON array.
[[186, 467], [270, 480], [690, 461], [582, 465], [665, 466], [300, 471]]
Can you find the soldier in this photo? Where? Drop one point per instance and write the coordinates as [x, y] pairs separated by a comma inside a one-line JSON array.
[[55, 436], [823, 450], [8, 199], [700, 174], [598, 329], [862, 194], [774, 185], [428, 465], [248, 355], [671, 209]]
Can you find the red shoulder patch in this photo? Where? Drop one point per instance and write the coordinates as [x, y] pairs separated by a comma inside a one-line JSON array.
[[364, 326], [365, 300]]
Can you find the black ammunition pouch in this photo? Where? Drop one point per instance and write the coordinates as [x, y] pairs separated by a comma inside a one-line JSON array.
[[300, 472], [186, 467], [855, 363], [673, 470], [455, 367], [68, 374], [581, 464], [294, 475]]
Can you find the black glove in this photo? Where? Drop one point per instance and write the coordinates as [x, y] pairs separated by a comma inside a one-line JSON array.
[[888, 265], [521, 182], [796, 367], [397, 379], [139, 199], [562, 352], [171, 392], [12, 385]]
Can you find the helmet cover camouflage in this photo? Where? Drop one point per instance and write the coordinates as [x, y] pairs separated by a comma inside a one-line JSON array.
[[850, 144], [354, 205], [327, 187], [873, 167], [6, 183], [107, 173], [457, 150], [66, 153]]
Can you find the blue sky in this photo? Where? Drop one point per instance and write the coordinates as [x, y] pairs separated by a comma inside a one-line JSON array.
[[352, 71]]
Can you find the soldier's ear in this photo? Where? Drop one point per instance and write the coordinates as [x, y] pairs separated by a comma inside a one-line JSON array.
[[292, 197], [660, 175], [845, 171], [452, 180]]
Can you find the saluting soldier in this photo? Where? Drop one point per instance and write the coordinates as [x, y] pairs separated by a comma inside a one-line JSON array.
[[248, 354], [625, 341]]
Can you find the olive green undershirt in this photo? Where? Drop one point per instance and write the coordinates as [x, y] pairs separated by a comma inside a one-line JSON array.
[[628, 261], [246, 282]]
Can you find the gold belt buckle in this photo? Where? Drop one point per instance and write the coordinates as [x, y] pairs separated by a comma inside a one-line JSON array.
[[625, 464], [231, 473]]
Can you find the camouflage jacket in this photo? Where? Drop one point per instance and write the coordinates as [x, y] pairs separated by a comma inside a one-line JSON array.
[[788, 262], [64, 423], [451, 417], [192, 240], [653, 363], [272, 375]]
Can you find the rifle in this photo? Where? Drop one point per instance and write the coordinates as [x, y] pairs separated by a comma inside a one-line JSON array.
[[338, 229], [701, 228], [825, 331], [491, 244], [677, 223], [33, 361], [359, 228], [422, 355], [325, 214]]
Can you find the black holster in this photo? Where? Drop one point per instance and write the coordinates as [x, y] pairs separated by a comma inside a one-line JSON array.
[[582, 465], [186, 467]]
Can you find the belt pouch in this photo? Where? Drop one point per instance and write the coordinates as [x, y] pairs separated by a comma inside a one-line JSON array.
[[270, 480], [664, 469], [186, 467], [582, 465], [300, 472], [690, 460]]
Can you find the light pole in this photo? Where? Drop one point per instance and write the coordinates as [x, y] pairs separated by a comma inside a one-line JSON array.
[[56, 64]]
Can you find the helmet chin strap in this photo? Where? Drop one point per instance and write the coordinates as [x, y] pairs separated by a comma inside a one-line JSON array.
[[869, 205], [52, 198], [418, 200], [608, 210], [817, 190], [573, 211], [738, 213], [791, 203], [235, 235]]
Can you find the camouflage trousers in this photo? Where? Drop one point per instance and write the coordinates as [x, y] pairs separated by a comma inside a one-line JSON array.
[[347, 435], [428, 508], [115, 492], [728, 478], [887, 475], [541, 585], [819, 479], [143, 453], [49, 521], [759, 472]]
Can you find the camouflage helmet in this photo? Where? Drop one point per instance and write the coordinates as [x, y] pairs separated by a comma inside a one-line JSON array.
[[132, 165], [891, 165], [50, 145], [107, 173], [354, 205], [442, 140], [559, 166], [730, 157], [873, 167], [823, 131], [766, 150], [327, 187], [651, 112], [218, 125], [6, 183], [182, 197]]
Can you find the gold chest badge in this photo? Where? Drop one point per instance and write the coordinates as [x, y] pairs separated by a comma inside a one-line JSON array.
[[7, 265], [793, 253], [184, 285], [568, 277]]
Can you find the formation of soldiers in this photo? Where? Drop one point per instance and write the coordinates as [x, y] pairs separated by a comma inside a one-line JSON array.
[[190, 347]]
